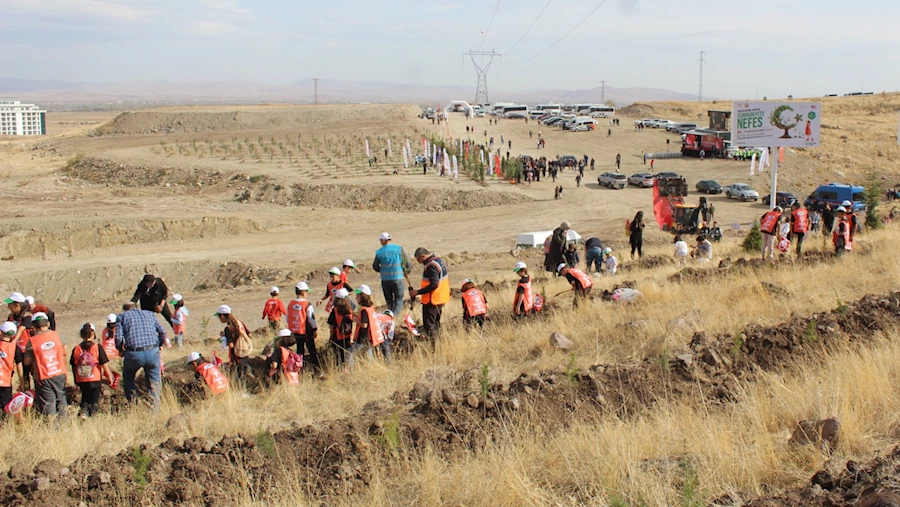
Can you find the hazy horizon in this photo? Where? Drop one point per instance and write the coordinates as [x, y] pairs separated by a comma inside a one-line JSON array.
[[809, 48]]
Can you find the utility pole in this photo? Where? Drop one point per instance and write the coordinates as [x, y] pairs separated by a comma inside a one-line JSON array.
[[701, 60], [603, 92], [481, 91], [316, 90]]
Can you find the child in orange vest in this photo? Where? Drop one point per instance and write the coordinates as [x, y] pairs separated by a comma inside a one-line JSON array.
[[523, 302], [474, 305], [48, 366], [274, 310], [368, 329], [89, 365], [334, 285], [10, 362], [348, 266], [208, 373], [284, 360], [341, 322]]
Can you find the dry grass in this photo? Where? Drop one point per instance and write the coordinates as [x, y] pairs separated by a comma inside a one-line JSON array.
[[733, 449]]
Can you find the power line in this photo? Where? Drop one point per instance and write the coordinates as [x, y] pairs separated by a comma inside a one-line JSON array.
[[489, 25], [565, 35], [530, 27]]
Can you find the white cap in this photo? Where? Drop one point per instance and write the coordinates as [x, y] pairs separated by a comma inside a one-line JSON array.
[[40, 316], [607, 250], [342, 294], [363, 289], [276, 290], [175, 299], [350, 263], [223, 310], [111, 318], [334, 271], [389, 313], [846, 203], [193, 356], [29, 300], [15, 297], [560, 267], [284, 333], [841, 208], [92, 326], [302, 286], [385, 236], [519, 266], [467, 280], [8, 328]]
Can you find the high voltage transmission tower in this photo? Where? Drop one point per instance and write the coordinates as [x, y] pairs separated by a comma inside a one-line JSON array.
[[481, 92]]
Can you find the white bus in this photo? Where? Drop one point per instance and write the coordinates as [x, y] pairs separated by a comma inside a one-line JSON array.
[[515, 111], [583, 108], [602, 112], [498, 107], [549, 108]]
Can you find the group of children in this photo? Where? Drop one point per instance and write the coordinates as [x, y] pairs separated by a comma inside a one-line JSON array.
[[701, 252]]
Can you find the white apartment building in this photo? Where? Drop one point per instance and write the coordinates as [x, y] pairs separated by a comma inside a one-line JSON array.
[[17, 119]]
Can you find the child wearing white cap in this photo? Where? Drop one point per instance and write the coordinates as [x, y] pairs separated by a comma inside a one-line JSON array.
[[10, 362], [89, 365], [237, 337], [302, 325], [284, 359], [208, 373], [341, 322], [368, 330], [273, 310], [179, 319], [335, 284], [611, 263], [348, 266]]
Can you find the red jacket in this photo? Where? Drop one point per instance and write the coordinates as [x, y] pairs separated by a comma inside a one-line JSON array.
[[274, 309]]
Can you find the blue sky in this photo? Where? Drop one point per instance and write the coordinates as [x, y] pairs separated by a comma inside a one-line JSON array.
[[758, 48]]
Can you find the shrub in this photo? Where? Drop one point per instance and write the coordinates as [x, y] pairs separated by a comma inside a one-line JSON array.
[[873, 197], [753, 241]]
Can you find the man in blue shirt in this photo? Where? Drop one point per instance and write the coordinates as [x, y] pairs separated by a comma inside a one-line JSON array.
[[392, 263], [139, 336]]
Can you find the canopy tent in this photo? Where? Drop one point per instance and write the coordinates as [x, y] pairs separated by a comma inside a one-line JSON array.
[[536, 239]]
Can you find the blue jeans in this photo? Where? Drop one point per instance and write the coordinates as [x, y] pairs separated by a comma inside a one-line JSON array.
[[393, 295], [594, 255], [148, 360]]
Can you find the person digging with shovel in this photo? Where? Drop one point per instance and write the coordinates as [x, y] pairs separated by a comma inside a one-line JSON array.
[[581, 282]]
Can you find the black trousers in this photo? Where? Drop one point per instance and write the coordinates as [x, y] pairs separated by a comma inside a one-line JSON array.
[[6, 394], [90, 397], [431, 321], [477, 320], [311, 356]]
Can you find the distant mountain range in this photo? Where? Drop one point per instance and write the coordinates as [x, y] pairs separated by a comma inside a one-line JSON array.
[[330, 91]]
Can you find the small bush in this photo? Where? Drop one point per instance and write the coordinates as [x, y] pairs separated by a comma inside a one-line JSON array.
[[265, 442], [873, 197], [753, 241], [141, 463]]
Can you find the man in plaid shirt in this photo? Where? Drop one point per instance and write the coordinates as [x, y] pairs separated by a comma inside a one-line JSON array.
[[139, 336]]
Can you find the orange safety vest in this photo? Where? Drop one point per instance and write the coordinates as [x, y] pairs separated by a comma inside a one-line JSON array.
[[296, 315], [582, 277], [291, 377], [769, 221], [848, 245], [49, 356], [338, 320], [475, 302], [440, 295], [7, 363], [800, 217], [214, 379], [332, 289], [527, 298], [95, 371], [374, 330], [384, 324], [109, 344]]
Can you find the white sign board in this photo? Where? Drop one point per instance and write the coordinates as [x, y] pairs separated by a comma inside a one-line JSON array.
[[793, 124]]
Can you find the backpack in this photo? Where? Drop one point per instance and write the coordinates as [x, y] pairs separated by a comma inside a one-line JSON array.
[[294, 362], [346, 327], [86, 364], [627, 227], [243, 347]]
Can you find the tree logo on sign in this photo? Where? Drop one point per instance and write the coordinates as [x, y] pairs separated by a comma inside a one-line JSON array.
[[776, 120]]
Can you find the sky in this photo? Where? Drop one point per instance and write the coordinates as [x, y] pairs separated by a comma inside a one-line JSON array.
[[752, 49]]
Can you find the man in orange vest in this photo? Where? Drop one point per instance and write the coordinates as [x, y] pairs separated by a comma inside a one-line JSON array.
[[302, 324], [10, 362], [799, 224], [768, 226], [48, 366], [435, 292], [581, 282], [208, 373], [273, 310]]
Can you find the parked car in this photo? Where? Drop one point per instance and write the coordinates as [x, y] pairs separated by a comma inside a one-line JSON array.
[[672, 126], [666, 174], [741, 191], [554, 121], [641, 180], [612, 180], [643, 121], [783, 199], [835, 194], [709, 187], [648, 122], [568, 160], [660, 124], [685, 127]]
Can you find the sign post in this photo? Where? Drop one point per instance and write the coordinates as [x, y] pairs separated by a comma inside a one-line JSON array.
[[772, 125]]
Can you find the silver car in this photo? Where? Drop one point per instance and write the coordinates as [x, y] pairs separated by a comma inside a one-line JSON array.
[[641, 180], [612, 180], [741, 191]]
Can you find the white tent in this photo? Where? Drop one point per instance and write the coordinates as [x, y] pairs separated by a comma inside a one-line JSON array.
[[536, 239]]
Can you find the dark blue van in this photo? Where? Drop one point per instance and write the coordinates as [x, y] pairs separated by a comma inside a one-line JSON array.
[[835, 194]]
